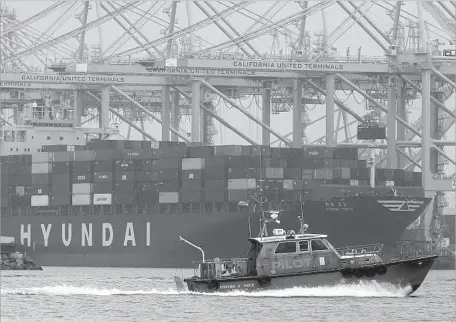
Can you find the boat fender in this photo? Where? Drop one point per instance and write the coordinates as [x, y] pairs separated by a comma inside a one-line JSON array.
[[359, 272], [381, 270], [264, 281], [213, 285], [371, 272], [347, 272]]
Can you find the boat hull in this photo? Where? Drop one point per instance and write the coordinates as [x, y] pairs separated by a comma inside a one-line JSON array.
[[407, 274], [149, 240]]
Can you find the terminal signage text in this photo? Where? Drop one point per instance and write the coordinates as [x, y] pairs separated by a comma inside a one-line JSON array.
[[74, 79], [297, 66]]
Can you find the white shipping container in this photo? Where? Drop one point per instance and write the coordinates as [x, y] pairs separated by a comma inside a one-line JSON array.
[[242, 184], [288, 184], [80, 200], [39, 201], [6, 240], [20, 190], [82, 188], [274, 173], [354, 182], [40, 157], [168, 197], [193, 163], [102, 199], [43, 167]]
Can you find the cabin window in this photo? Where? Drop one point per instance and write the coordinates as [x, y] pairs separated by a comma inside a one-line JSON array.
[[286, 247], [317, 244], [304, 246]]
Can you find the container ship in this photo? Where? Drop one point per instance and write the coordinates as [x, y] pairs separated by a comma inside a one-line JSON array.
[[124, 203]]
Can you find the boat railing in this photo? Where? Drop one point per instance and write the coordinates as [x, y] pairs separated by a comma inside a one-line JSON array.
[[372, 249], [221, 268]]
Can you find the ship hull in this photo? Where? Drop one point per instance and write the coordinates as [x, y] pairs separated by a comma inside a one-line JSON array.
[[406, 273], [150, 240]]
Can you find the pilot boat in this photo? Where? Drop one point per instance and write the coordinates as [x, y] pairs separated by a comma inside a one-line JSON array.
[[286, 260]]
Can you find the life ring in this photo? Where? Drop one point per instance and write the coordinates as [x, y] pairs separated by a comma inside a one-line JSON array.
[[213, 285], [359, 272], [381, 270], [264, 281], [347, 272]]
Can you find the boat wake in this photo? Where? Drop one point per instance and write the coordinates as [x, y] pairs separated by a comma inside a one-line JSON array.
[[368, 289]]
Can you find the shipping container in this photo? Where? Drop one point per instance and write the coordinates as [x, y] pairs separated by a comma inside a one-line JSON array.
[[61, 167], [147, 165], [136, 155], [39, 190], [81, 177], [307, 174], [215, 173], [354, 182], [39, 201], [21, 180], [273, 173], [192, 185], [64, 157], [238, 195], [219, 184], [81, 188], [41, 179], [170, 163], [292, 173], [124, 166], [39, 168], [228, 150], [41, 157], [102, 199], [103, 187], [102, 177], [102, 155], [21, 168], [60, 200], [214, 195], [314, 153], [87, 155], [143, 176], [173, 152], [192, 174], [81, 167], [200, 151], [125, 176], [168, 174], [341, 173], [273, 185], [143, 198], [189, 196], [323, 174], [146, 186], [215, 162], [280, 152], [290, 185], [242, 184], [60, 189], [19, 191], [168, 197], [19, 201], [124, 186], [193, 164], [81, 199], [168, 186], [103, 166]]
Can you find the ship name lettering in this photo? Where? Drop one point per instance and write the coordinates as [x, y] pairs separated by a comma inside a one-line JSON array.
[[26, 234], [129, 235], [249, 285], [46, 231], [230, 286], [49, 234], [67, 241]]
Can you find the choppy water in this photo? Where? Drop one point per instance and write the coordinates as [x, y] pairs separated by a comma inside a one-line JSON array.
[[120, 294]]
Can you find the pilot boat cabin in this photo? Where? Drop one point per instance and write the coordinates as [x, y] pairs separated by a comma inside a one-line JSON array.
[[287, 253]]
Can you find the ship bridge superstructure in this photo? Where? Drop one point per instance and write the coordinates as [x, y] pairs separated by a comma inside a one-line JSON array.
[[201, 73]]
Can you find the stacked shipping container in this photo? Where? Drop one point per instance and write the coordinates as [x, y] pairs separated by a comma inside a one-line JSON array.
[[132, 173]]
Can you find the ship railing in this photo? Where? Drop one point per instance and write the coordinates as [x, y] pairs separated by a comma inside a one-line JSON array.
[[221, 268], [371, 249]]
